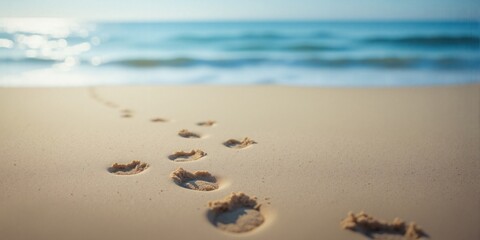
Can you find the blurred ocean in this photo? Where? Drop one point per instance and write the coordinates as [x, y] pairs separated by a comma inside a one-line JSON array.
[[54, 52]]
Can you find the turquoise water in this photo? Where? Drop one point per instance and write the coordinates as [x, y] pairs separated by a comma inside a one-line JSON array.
[[53, 52]]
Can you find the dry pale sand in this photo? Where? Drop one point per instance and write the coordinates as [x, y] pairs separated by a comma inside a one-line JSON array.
[[411, 153]]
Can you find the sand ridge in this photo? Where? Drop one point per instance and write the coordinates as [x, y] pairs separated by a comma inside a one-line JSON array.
[[369, 225], [134, 167]]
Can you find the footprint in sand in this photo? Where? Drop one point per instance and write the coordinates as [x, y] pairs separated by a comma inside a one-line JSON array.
[[187, 134], [96, 97], [198, 180], [127, 113], [134, 167], [370, 226], [235, 213], [234, 143], [208, 123], [93, 94], [111, 105], [183, 156], [158, 120]]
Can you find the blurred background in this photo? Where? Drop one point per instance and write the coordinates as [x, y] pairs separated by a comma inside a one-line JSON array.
[[80, 46]]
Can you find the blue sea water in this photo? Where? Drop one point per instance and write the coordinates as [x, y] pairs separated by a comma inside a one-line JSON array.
[[56, 52]]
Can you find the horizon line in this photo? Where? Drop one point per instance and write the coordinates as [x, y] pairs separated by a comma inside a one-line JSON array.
[[173, 20]]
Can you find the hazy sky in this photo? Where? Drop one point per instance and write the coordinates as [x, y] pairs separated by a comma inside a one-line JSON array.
[[242, 9]]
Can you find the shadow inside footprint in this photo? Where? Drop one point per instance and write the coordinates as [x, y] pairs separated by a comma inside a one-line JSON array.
[[129, 168], [234, 143], [182, 156], [187, 134], [236, 213], [126, 113], [198, 180]]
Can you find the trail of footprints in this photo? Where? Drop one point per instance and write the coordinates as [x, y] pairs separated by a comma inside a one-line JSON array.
[[239, 212], [235, 213]]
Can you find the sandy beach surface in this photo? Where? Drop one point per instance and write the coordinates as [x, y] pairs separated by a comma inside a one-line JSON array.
[[411, 153]]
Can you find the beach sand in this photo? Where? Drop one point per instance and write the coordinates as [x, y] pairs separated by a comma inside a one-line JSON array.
[[411, 153]]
